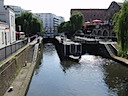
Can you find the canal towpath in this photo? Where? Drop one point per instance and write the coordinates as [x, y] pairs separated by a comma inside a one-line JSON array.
[[120, 59], [22, 80]]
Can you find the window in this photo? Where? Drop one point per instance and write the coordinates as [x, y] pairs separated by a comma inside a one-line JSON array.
[[12, 20]]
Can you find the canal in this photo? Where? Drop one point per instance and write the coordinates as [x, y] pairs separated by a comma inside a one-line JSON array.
[[92, 76]]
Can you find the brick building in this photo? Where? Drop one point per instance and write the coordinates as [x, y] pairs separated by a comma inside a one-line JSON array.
[[100, 14]]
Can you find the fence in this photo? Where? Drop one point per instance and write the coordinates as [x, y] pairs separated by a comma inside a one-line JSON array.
[[10, 49]]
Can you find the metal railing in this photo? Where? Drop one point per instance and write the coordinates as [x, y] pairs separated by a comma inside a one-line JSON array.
[[10, 49]]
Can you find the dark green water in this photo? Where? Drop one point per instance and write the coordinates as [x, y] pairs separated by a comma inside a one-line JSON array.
[[92, 76]]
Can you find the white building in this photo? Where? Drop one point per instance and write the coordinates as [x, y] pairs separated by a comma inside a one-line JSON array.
[[18, 10], [7, 15], [50, 22], [4, 34]]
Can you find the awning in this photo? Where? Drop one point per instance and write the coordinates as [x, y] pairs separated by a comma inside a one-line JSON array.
[[96, 21]]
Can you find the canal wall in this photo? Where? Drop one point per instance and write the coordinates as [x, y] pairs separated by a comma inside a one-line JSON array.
[[60, 49], [58, 45], [17, 70], [103, 49], [98, 50], [10, 67], [95, 48]]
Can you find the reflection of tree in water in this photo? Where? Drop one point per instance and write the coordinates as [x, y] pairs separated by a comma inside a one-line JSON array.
[[37, 68], [48, 49], [117, 78], [67, 64], [39, 61]]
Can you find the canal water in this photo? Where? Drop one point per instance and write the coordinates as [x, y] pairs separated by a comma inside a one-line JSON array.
[[92, 76]]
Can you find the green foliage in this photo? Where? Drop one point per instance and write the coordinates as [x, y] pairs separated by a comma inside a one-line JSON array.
[[36, 26], [29, 24], [70, 27], [64, 27], [77, 21], [121, 28]]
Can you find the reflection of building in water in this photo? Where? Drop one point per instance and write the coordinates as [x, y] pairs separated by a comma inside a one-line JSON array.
[[117, 78]]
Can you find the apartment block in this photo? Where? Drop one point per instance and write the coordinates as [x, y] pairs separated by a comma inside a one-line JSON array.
[[50, 21], [7, 16]]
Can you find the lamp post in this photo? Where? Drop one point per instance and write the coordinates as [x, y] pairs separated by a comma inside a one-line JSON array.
[[19, 26], [26, 29]]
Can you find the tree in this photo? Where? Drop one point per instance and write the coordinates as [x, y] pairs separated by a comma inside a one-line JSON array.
[[61, 27], [121, 28], [115, 25], [77, 21], [29, 24], [65, 27], [75, 24], [36, 26]]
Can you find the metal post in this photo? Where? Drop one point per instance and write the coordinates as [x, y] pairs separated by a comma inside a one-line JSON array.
[[19, 27], [11, 48], [81, 49], [15, 47], [64, 50], [75, 48], [5, 52]]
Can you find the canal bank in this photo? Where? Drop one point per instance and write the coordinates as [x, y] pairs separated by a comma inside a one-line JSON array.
[[92, 76], [103, 49], [21, 82]]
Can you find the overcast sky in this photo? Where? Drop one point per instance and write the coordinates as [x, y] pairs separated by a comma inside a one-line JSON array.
[[58, 7]]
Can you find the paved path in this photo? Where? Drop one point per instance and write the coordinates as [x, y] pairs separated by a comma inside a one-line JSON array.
[[21, 82], [121, 59]]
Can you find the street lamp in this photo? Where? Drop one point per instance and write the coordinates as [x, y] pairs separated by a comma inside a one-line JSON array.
[[26, 27], [19, 26]]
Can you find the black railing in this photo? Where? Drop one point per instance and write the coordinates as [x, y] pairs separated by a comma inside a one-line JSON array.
[[33, 37], [10, 49]]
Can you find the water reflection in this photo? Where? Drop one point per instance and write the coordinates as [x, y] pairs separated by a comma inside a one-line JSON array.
[[92, 76], [116, 78], [67, 64]]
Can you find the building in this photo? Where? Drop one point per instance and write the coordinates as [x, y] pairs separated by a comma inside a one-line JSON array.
[[18, 10], [7, 16], [4, 34], [61, 19], [100, 14], [50, 22]]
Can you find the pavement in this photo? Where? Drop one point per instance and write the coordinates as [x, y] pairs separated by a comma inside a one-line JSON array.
[[22, 80], [124, 60]]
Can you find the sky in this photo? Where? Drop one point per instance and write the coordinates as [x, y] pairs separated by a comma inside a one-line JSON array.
[[59, 7]]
